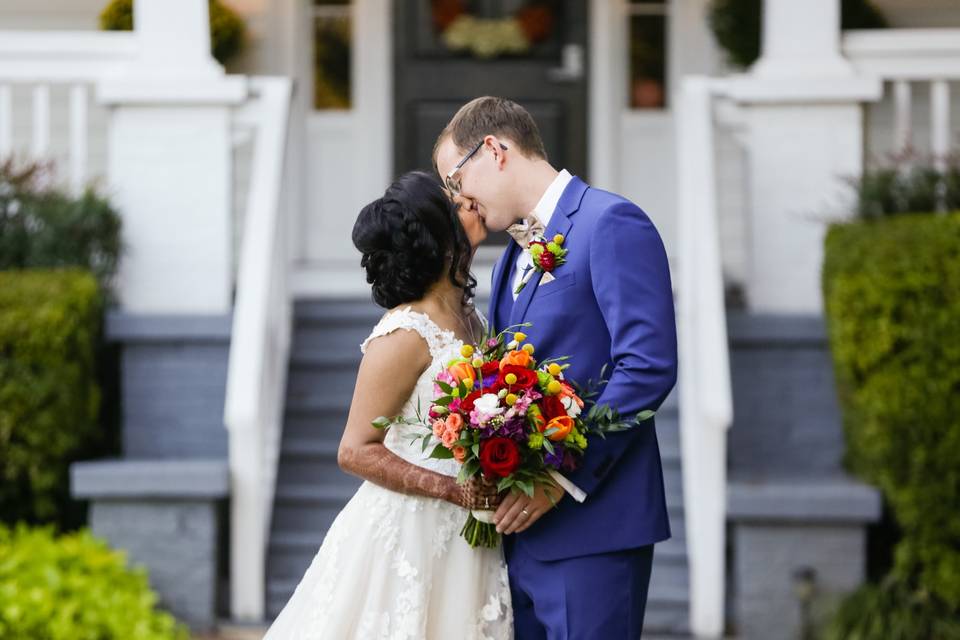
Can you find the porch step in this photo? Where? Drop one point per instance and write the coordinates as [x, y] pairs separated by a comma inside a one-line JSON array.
[[311, 489]]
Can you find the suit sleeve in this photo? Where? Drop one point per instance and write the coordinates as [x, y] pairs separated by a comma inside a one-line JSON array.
[[630, 276]]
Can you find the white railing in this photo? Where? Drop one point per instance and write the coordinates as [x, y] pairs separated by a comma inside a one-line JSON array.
[[50, 71], [706, 397], [905, 57], [259, 347]]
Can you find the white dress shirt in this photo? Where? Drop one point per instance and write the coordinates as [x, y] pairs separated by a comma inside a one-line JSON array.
[[543, 212]]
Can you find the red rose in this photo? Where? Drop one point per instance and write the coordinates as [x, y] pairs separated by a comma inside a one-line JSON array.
[[466, 405], [547, 261], [499, 457], [490, 368], [526, 378], [552, 407]]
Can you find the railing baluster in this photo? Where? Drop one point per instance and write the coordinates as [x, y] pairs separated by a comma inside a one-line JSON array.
[[78, 137], [6, 121], [41, 120], [940, 122], [902, 119]]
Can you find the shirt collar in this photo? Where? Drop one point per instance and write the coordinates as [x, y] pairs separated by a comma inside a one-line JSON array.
[[551, 197]]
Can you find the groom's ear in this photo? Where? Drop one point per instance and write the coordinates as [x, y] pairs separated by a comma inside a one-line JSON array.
[[497, 147]]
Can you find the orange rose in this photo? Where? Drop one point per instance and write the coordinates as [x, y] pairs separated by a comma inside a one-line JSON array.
[[454, 423], [459, 453], [563, 426], [518, 358], [462, 372]]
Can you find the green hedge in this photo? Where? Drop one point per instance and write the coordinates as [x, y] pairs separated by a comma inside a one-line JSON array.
[[74, 588], [49, 398], [737, 25], [43, 226], [226, 27], [892, 296]]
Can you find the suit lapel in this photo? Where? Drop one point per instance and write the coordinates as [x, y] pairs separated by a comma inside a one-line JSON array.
[[501, 270], [559, 223]]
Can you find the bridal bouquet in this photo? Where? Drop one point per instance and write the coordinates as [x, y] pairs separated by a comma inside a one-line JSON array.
[[509, 419]]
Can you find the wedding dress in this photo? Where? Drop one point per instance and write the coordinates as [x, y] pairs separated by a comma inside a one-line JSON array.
[[393, 566]]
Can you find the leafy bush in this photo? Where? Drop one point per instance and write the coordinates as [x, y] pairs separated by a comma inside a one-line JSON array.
[[226, 27], [49, 398], [893, 610], [892, 295], [907, 185], [737, 25], [41, 226], [74, 588]]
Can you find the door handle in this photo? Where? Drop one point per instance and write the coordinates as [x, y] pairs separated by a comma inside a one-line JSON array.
[[571, 68]]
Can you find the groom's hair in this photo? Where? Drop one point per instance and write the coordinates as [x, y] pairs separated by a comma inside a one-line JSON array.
[[493, 116]]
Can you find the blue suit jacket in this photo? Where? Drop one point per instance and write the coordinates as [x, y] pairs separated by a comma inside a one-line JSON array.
[[610, 304]]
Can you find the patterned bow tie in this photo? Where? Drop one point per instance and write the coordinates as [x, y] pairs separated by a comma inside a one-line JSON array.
[[526, 230]]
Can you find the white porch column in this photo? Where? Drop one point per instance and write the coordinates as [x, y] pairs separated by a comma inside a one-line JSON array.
[[803, 104], [170, 163]]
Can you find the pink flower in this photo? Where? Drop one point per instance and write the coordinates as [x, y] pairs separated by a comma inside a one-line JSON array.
[[448, 438], [454, 423], [439, 427]]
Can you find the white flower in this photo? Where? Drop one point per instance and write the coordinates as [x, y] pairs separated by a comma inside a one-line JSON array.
[[573, 409], [488, 404]]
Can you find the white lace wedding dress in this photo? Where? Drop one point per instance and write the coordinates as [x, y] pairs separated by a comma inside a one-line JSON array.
[[393, 566]]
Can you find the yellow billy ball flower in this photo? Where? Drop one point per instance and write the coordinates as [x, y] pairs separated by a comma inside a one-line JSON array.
[[536, 250], [466, 351], [456, 392], [519, 336], [558, 239], [510, 378], [477, 363], [511, 399], [554, 369], [528, 348], [554, 387], [553, 247]]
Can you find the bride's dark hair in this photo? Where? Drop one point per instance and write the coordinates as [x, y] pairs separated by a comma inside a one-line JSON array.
[[409, 237]]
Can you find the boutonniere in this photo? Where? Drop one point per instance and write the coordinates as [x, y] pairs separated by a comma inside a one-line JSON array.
[[545, 256]]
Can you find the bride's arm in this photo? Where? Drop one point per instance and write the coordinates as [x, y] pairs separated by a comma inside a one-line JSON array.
[[388, 374]]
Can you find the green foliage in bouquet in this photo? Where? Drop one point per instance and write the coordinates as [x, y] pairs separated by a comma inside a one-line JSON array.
[[43, 226], [73, 587], [226, 27], [49, 397], [737, 25], [892, 296]]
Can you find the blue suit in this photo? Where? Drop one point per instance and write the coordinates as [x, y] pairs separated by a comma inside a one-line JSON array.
[[611, 304]]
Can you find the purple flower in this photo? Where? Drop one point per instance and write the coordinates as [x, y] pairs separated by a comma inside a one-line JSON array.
[[492, 342], [555, 459]]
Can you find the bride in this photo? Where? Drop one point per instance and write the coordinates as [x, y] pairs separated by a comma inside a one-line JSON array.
[[392, 565]]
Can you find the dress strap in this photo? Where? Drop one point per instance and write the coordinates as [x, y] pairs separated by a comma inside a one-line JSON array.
[[410, 320]]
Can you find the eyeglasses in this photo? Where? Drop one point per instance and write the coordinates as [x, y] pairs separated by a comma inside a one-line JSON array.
[[452, 181]]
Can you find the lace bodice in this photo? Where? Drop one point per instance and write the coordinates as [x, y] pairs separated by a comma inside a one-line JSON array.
[[443, 345]]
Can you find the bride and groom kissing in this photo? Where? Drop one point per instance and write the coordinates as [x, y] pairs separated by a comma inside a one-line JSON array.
[[576, 556]]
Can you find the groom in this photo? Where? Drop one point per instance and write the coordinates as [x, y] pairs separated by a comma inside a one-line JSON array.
[[580, 569]]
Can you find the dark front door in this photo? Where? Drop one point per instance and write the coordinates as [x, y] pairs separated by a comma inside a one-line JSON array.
[[448, 52]]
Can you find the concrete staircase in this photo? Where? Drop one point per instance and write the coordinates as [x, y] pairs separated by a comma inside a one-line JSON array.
[[311, 489]]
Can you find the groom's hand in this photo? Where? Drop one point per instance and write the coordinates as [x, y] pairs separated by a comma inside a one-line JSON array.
[[517, 511]]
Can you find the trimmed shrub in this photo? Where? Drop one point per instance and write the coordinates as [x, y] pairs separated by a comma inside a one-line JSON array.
[[737, 25], [41, 226], [74, 587], [49, 398], [226, 27], [892, 296]]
